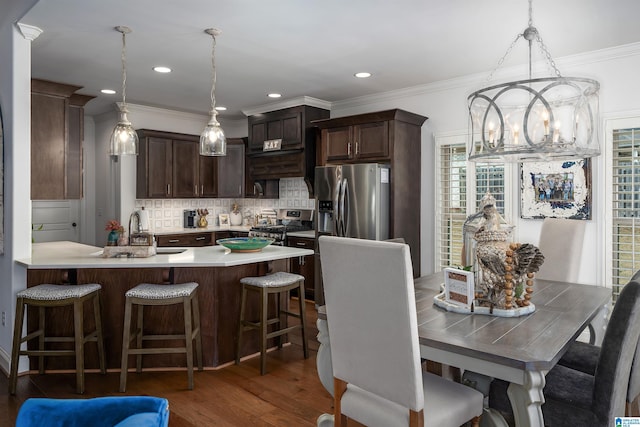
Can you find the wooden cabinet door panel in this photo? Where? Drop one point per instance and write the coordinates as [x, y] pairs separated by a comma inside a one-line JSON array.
[[185, 169], [292, 132], [304, 266], [371, 140], [48, 136], [338, 143], [159, 168], [208, 176], [258, 133], [231, 171]]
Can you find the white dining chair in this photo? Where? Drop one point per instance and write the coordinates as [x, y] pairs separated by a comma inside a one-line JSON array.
[[561, 243], [375, 352]]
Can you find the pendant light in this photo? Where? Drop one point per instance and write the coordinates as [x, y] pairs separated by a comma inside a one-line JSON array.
[[124, 139], [541, 119], [212, 139]]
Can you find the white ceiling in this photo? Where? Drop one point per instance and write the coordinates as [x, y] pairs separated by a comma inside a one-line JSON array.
[[301, 47]]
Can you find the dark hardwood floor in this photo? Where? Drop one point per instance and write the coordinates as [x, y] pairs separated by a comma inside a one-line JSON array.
[[290, 394]]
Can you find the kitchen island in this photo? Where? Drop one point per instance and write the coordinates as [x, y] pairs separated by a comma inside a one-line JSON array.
[[214, 268]]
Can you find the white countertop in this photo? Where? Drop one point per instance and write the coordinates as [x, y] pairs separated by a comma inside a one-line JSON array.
[[53, 255], [309, 234], [209, 229]]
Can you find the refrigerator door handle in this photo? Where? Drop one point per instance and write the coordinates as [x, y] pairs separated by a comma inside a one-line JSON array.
[[341, 190], [336, 208], [344, 208]]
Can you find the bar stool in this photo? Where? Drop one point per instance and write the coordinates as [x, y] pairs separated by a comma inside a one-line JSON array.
[[43, 296], [150, 294], [276, 283]]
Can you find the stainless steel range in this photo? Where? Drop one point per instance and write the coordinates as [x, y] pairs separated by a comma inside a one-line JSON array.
[[287, 221]]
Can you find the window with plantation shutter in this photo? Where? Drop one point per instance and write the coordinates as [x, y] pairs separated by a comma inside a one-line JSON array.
[[625, 205], [458, 194]]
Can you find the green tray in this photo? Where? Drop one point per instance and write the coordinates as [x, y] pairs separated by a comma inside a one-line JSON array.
[[245, 244]]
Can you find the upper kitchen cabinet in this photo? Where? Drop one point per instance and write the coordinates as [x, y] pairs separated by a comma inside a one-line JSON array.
[[282, 143], [57, 133], [373, 137], [169, 165], [231, 173]]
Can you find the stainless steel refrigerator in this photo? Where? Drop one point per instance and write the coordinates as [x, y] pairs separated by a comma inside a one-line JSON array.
[[351, 201]]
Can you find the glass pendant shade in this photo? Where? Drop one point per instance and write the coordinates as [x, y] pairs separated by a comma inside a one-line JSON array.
[[124, 139], [212, 139]]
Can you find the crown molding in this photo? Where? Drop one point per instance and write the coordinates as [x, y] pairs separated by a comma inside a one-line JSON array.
[[29, 32], [287, 103]]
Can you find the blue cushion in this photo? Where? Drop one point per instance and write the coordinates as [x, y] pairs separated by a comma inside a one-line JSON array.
[[96, 412], [143, 419]]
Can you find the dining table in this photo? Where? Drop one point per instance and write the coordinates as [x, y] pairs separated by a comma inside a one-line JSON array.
[[520, 350]]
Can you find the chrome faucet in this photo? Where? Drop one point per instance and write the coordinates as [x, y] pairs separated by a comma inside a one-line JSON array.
[[135, 215]]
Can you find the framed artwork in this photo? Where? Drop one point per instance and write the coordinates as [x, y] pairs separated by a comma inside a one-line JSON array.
[[224, 220], [556, 189]]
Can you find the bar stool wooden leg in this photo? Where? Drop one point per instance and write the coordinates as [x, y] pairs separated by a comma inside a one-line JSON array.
[[188, 338], [139, 334], [97, 315], [126, 339], [243, 303], [303, 321], [40, 331], [196, 331], [78, 325], [17, 341], [264, 305]]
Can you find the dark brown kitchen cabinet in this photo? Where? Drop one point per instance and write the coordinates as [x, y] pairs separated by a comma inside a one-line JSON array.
[[186, 239], [393, 137], [57, 133], [231, 174], [296, 157], [282, 124], [361, 142], [169, 165], [304, 265]]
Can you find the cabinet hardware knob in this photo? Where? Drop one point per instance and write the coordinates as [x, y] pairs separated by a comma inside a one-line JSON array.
[[174, 240], [200, 238], [349, 149]]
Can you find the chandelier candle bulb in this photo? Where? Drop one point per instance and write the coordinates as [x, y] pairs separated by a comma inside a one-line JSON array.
[[556, 132], [491, 133], [516, 130], [545, 120]]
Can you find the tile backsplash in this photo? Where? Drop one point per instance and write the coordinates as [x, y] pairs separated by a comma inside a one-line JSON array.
[[168, 213]]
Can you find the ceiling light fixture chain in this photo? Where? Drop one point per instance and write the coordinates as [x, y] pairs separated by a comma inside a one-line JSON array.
[[213, 32]]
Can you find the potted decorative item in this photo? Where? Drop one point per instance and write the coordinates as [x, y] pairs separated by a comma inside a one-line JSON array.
[[115, 229], [202, 221], [236, 215]]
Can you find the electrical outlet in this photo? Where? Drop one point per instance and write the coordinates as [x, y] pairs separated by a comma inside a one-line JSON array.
[[4, 318]]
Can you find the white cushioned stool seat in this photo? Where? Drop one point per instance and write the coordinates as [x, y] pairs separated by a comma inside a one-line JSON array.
[[149, 294], [278, 284], [50, 296], [57, 292], [272, 280], [151, 291]]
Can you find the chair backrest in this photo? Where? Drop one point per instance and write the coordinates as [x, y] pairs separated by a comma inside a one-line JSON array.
[[371, 314], [613, 372], [634, 378], [561, 243]]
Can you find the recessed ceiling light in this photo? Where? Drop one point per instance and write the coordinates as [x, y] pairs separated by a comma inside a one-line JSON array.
[[221, 108], [274, 95], [108, 91], [161, 69], [362, 75]]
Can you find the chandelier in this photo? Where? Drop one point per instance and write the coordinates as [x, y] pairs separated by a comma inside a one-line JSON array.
[[212, 139], [124, 139], [541, 119]]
